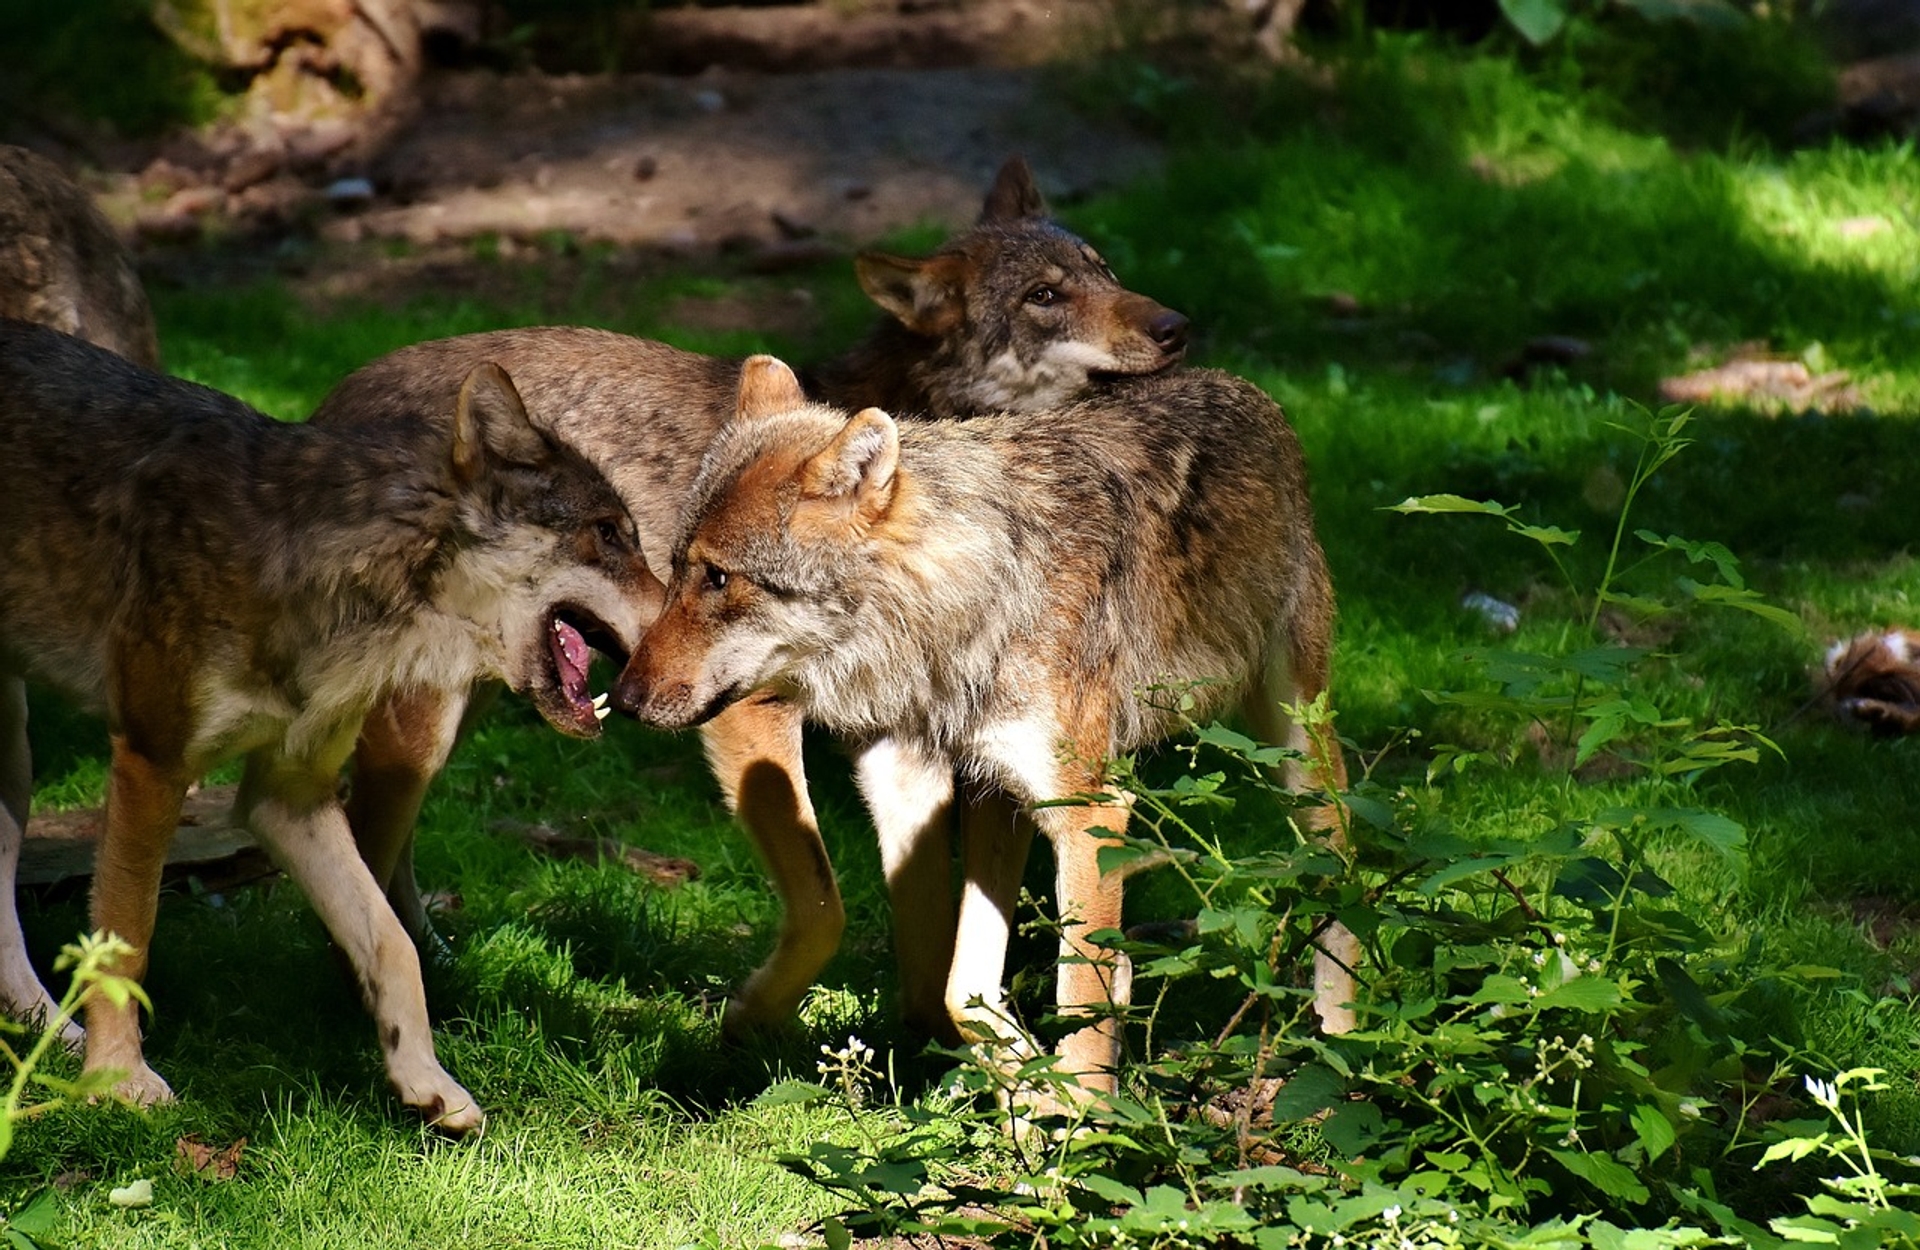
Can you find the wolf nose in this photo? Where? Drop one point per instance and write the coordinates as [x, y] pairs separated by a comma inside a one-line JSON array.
[[1168, 330]]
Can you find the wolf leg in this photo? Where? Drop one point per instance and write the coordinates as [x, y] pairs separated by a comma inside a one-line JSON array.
[[910, 795], [994, 851], [143, 809], [1297, 672], [21, 993], [1091, 978], [293, 811], [754, 750], [404, 743]]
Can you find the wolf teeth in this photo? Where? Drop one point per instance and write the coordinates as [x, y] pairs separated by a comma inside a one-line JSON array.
[[600, 710], [600, 700]]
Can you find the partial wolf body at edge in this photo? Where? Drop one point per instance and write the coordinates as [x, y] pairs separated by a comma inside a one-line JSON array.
[[61, 264], [1015, 312], [219, 584], [990, 598]]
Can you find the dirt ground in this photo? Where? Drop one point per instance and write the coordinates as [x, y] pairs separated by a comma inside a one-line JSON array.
[[803, 131]]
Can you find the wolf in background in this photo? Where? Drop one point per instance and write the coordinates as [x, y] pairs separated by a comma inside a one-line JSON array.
[[61, 264], [988, 599], [1015, 312], [219, 584]]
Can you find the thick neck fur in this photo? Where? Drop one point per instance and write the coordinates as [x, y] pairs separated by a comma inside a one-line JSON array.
[[888, 369]]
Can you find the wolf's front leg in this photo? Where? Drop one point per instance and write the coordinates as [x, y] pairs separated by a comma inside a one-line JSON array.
[[143, 809], [404, 743], [909, 792], [294, 813], [754, 750]]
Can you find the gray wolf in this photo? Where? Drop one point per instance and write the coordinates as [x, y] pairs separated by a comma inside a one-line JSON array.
[[1873, 679], [218, 584], [988, 599], [1015, 312], [62, 265]]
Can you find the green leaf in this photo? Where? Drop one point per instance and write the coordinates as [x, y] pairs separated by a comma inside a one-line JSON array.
[[1112, 1190], [1548, 535], [835, 1234], [790, 1094], [1654, 1129], [1582, 994], [1604, 1173], [1536, 20], [1745, 601], [1309, 1091], [1450, 503]]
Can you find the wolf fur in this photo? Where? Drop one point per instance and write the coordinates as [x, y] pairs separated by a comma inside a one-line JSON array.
[[1873, 679], [989, 599], [1016, 290], [62, 265], [218, 584]]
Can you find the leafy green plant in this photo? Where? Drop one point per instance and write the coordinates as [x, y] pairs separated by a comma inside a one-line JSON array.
[[1858, 1207], [1587, 688]]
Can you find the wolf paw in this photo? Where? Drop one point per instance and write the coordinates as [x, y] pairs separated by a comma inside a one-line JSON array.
[[443, 1104], [143, 1087]]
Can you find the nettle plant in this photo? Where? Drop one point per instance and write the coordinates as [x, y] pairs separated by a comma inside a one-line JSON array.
[[1555, 1047]]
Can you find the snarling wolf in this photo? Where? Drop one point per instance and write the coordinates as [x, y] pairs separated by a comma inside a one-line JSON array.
[[1016, 298], [989, 598], [62, 265], [218, 584]]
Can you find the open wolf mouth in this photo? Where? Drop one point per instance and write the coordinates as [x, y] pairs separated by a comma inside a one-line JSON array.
[[566, 700]]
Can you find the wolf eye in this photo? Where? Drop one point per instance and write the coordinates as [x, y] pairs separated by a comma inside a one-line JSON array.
[[716, 578], [1042, 296], [610, 533]]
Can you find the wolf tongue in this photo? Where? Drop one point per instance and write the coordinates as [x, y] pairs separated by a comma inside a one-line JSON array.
[[570, 656]]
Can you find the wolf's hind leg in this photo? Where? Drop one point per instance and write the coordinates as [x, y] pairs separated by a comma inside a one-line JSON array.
[[910, 795], [21, 993], [144, 796], [1297, 672], [754, 750], [293, 811]]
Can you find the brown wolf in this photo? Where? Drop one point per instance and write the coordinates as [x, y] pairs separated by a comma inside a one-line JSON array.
[[220, 584], [989, 598], [62, 265], [1016, 297]]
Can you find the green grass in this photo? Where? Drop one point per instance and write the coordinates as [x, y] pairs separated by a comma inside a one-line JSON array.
[[1468, 205]]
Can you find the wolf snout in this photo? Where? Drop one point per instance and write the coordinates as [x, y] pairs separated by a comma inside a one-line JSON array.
[[1168, 330], [663, 703]]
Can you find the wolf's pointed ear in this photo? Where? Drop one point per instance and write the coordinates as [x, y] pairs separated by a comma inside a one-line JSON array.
[[490, 420], [1013, 195], [857, 467], [923, 295], [768, 387]]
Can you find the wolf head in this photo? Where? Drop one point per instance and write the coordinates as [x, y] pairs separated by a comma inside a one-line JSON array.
[[1020, 314], [545, 556], [766, 578]]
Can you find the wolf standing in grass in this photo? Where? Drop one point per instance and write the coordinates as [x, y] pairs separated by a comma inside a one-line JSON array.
[[989, 598], [1016, 312], [218, 584]]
